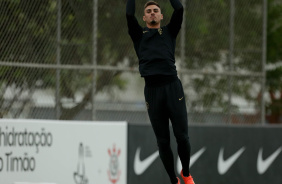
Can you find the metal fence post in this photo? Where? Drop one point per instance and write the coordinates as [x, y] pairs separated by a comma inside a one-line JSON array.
[[58, 58], [94, 56], [264, 47], [231, 52], [182, 39]]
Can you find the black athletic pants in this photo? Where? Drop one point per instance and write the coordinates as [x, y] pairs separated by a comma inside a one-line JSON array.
[[163, 103]]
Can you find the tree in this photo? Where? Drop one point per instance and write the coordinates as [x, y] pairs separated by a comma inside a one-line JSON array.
[[274, 55], [23, 40], [208, 38], [28, 35]]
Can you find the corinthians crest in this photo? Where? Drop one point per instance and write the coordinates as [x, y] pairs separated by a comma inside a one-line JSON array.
[[114, 171]]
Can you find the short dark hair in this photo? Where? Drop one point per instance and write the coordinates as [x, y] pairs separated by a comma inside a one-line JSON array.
[[151, 3]]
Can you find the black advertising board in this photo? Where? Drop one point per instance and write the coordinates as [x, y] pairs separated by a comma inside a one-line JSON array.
[[220, 155]]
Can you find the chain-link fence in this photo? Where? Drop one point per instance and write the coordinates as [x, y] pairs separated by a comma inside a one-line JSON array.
[[73, 59]]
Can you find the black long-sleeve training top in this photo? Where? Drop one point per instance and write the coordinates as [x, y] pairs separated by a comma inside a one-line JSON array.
[[155, 48]]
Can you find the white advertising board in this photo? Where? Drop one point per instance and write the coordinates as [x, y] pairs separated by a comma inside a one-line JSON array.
[[62, 152]]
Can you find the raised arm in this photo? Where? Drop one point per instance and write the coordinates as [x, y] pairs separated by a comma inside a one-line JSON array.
[[176, 4], [130, 7], [134, 29], [176, 19]]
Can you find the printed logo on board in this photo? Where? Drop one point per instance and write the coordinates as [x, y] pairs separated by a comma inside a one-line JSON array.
[[79, 175], [141, 166], [263, 165], [114, 170]]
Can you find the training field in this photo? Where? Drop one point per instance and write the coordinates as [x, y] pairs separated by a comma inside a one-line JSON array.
[[72, 106]]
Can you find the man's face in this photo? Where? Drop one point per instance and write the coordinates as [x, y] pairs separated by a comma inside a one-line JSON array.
[[152, 15]]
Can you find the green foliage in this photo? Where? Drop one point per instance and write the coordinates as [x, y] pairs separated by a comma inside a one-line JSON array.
[[208, 48], [28, 35], [274, 30], [274, 54]]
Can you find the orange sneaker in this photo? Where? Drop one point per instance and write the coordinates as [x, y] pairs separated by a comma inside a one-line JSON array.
[[187, 180], [178, 180]]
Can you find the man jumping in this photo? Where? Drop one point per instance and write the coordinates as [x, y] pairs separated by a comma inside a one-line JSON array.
[[164, 95]]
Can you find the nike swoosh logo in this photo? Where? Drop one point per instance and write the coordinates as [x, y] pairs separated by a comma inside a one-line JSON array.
[[224, 165], [141, 166], [180, 99], [193, 159], [263, 165]]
